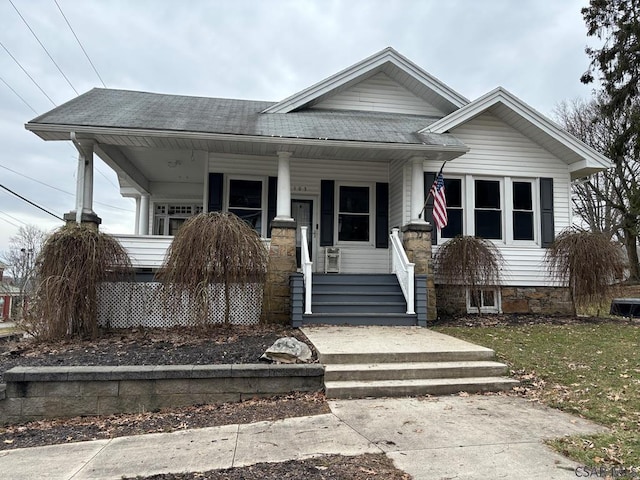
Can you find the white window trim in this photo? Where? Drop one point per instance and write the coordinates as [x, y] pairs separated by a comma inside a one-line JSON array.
[[371, 187], [535, 205], [506, 206], [497, 308], [472, 201], [178, 202], [463, 203], [263, 198]]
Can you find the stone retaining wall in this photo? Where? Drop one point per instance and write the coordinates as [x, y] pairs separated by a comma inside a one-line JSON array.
[[34, 393]]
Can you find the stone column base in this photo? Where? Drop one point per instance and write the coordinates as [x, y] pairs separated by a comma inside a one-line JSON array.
[[416, 238], [276, 306], [89, 219]]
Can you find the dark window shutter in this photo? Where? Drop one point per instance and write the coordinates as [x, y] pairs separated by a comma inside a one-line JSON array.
[[546, 212], [272, 199], [326, 212], [382, 215], [429, 178], [216, 182]]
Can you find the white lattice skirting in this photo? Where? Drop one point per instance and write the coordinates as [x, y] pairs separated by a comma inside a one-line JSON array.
[[140, 304]]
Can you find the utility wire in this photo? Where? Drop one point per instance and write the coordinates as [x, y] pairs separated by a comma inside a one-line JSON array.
[[30, 202], [59, 189], [11, 216], [80, 43], [8, 221], [43, 47], [18, 95], [27, 74]]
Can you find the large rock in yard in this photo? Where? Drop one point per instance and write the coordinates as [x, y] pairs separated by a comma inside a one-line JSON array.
[[288, 350]]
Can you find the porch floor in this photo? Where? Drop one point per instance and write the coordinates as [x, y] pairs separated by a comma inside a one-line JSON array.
[[378, 361]]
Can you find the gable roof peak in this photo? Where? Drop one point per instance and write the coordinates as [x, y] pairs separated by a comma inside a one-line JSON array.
[[388, 61]]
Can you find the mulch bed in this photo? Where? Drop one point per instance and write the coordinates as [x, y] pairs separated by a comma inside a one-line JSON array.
[[329, 467], [183, 346]]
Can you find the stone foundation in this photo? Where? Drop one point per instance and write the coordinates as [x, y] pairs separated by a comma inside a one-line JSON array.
[[520, 300]]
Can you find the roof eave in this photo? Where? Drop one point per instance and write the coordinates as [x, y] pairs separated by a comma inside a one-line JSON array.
[[89, 132], [500, 95]]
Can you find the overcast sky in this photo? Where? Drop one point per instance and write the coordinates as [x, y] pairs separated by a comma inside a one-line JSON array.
[[257, 50]]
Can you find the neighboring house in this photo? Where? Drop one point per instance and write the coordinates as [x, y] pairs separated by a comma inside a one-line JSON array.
[[350, 157], [8, 294]]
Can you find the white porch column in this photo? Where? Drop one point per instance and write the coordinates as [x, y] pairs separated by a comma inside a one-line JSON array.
[[137, 220], [84, 181], [143, 219], [417, 190], [283, 205]]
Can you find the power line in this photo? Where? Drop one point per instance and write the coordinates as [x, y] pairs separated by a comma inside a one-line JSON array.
[[8, 221], [11, 216], [59, 189], [43, 47], [80, 43], [31, 203], [18, 95], [27, 74]]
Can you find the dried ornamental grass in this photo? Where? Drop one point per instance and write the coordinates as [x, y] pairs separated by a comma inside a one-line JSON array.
[[70, 267], [588, 263], [212, 248], [469, 261]]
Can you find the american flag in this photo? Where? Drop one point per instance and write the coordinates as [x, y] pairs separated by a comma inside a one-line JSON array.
[[439, 202]]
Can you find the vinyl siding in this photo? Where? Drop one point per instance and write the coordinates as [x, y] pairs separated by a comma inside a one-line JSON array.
[[498, 151], [397, 188], [380, 93], [306, 175]]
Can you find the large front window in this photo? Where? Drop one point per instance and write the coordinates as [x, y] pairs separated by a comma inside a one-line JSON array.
[[245, 201], [354, 217], [522, 211], [488, 212], [455, 210]]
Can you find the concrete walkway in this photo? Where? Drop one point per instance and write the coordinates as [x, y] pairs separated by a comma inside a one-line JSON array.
[[472, 437]]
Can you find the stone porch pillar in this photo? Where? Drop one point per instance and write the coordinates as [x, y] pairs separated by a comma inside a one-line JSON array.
[[282, 263], [416, 239], [84, 214], [283, 204]]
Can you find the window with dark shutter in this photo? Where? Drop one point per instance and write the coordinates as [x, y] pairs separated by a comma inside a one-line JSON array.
[[522, 211]]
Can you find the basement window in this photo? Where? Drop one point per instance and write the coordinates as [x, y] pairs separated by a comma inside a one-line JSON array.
[[486, 300]]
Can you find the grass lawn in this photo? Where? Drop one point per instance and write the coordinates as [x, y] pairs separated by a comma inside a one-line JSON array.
[[592, 370]]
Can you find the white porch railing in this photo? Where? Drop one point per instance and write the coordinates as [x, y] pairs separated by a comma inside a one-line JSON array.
[[149, 251], [403, 269], [306, 269]]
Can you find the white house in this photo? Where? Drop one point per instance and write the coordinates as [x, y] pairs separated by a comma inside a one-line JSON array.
[[349, 157]]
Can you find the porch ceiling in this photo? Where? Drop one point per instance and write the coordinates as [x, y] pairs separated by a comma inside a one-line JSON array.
[[141, 157]]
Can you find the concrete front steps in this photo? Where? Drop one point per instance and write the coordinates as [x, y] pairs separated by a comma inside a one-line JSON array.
[[396, 362]]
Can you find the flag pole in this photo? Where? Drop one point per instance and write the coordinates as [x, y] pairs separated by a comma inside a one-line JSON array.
[[429, 194]]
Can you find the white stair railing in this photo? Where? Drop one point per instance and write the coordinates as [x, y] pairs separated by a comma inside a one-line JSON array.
[[403, 269], [306, 269]]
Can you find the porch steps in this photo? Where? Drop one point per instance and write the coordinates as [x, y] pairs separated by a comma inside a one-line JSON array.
[[358, 299], [394, 362]]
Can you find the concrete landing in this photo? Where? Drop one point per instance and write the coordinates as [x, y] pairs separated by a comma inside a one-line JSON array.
[[377, 361]]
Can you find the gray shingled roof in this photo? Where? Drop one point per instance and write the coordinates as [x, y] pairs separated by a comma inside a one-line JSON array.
[[151, 111]]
